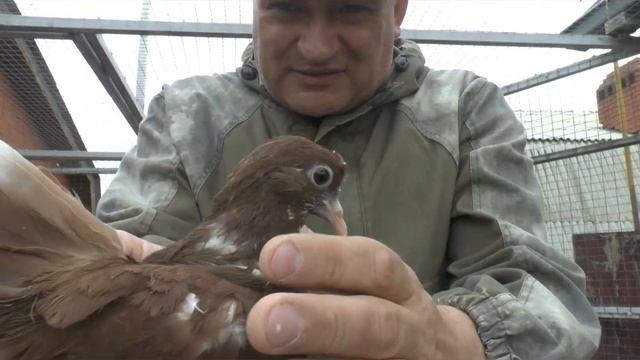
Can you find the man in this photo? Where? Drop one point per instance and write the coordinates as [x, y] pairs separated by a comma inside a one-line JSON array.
[[437, 173]]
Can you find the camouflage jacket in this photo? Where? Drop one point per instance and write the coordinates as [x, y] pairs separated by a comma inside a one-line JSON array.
[[437, 171]]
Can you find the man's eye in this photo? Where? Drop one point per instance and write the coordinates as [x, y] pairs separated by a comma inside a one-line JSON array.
[[282, 6], [354, 9]]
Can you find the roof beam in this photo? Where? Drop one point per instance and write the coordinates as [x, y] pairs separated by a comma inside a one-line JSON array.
[[43, 27], [592, 22], [481, 38], [36, 26], [95, 51], [562, 72]]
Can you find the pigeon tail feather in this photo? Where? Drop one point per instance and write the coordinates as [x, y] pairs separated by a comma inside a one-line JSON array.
[[42, 224]]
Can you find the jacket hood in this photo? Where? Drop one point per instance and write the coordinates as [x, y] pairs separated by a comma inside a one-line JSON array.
[[407, 72]]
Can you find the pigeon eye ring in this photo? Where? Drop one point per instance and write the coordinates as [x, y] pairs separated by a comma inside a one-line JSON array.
[[321, 176]]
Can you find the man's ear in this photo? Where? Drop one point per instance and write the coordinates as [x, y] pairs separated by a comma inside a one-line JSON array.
[[399, 11]]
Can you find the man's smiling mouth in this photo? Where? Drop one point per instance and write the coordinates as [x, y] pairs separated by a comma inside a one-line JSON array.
[[317, 77]]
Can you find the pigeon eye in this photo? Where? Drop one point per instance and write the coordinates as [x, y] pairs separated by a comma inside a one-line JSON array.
[[321, 176]]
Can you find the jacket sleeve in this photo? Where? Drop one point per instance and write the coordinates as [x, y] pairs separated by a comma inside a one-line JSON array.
[[150, 194], [527, 300]]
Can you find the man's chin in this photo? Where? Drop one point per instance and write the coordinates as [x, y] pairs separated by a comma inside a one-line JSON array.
[[316, 105]]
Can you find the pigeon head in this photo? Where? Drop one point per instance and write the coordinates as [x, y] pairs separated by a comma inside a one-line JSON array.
[[274, 188]]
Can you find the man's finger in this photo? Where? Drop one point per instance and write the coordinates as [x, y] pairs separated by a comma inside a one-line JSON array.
[[346, 326], [354, 264], [149, 248], [135, 247]]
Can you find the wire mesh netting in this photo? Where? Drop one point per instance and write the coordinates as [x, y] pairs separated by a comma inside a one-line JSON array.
[[56, 102], [588, 199], [33, 114], [611, 262], [22, 83], [584, 194]]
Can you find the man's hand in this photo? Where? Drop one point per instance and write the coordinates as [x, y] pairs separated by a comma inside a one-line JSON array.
[[135, 247], [384, 314]]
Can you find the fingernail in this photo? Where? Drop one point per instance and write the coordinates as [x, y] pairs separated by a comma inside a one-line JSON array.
[[283, 327], [285, 261]]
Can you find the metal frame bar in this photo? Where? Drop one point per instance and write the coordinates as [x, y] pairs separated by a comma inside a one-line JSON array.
[[64, 155], [539, 159], [98, 56], [42, 27], [480, 38], [563, 72], [23, 35], [617, 312], [117, 156], [83, 171], [141, 72]]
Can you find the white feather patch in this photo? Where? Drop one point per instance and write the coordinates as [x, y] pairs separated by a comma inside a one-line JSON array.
[[188, 306], [232, 332], [231, 311], [218, 241], [7, 152]]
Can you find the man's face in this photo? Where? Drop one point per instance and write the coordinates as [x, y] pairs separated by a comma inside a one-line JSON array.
[[323, 57]]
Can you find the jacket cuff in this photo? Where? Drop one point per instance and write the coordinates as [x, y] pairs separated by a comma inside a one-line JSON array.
[[487, 312]]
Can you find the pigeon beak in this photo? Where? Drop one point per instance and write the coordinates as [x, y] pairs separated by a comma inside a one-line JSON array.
[[331, 210]]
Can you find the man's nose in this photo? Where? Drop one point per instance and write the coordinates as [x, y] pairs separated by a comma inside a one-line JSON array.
[[319, 42]]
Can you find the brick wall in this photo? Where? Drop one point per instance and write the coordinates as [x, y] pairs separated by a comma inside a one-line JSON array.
[[611, 263], [16, 129], [607, 102]]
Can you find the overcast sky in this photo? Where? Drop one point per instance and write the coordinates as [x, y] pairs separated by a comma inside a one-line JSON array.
[[104, 129]]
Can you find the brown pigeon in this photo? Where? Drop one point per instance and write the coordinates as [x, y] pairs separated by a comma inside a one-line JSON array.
[[68, 291]]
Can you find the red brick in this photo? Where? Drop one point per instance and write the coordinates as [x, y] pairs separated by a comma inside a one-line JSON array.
[[608, 107]]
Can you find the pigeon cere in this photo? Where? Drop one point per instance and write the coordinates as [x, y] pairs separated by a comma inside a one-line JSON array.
[[69, 291]]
